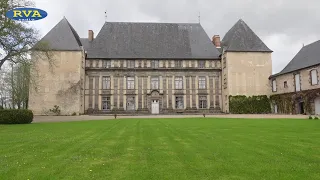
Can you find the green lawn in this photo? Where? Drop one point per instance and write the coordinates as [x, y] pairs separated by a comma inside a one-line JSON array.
[[199, 149]]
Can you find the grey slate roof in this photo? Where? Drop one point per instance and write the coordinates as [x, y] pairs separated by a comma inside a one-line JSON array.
[[62, 37], [241, 38], [85, 43], [152, 40], [308, 56]]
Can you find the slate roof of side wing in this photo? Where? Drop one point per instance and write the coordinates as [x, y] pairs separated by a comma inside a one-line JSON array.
[[241, 38], [62, 37], [152, 40], [308, 56]]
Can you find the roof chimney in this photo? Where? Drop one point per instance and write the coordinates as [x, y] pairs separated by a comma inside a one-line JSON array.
[[90, 35], [216, 41]]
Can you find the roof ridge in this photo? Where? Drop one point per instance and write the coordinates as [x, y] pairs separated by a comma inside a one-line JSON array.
[[149, 22], [291, 60], [74, 32], [62, 37], [307, 56], [232, 37], [243, 39], [311, 43]]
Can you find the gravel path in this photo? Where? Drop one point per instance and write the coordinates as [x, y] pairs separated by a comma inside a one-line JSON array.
[[87, 117]]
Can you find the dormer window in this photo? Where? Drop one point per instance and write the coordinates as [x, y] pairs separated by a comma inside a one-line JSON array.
[[130, 63], [178, 63], [107, 63], [155, 64], [201, 64]]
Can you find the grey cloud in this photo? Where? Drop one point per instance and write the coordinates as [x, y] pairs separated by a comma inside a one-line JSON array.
[[282, 24]]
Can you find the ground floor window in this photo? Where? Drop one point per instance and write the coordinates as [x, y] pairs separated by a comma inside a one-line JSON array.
[[179, 102], [202, 102], [130, 103], [106, 104]]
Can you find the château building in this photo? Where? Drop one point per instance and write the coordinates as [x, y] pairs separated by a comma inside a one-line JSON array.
[[149, 68]]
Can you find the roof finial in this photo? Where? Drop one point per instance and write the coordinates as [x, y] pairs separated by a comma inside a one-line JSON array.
[[105, 16], [199, 17]]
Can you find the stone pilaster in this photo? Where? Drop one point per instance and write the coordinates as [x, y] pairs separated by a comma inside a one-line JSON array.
[[217, 99], [115, 95], [140, 93], [170, 92], [194, 94], [211, 93], [121, 95], [96, 94], [165, 106]]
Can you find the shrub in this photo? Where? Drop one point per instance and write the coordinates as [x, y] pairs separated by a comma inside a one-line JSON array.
[[1, 107], [249, 105], [316, 117], [74, 114], [15, 116], [56, 110], [310, 117]]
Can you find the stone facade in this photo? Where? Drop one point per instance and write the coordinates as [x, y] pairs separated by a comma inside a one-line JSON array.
[[169, 68], [175, 85], [299, 89], [286, 83], [62, 87], [245, 73]]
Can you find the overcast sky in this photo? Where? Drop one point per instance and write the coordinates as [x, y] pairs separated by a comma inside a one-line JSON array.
[[283, 25]]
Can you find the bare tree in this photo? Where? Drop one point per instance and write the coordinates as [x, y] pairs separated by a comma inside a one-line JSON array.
[[16, 85], [18, 38]]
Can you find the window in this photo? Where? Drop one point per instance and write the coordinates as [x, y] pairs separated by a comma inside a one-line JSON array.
[[192, 63], [130, 63], [179, 102], [115, 63], [130, 82], [164, 63], [106, 64], [178, 82], [297, 82], [202, 82], [314, 77], [130, 103], [202, 102], [106, 103], [178, 63], [274, 85], [106, 83], [154, 83], [155, 64], [201, 64], [285, 84]]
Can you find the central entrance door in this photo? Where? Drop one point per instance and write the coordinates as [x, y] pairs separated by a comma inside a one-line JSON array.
[[155, 107]]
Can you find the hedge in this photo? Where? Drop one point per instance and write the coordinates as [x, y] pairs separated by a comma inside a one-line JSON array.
[[249, 105], [15, 116]]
